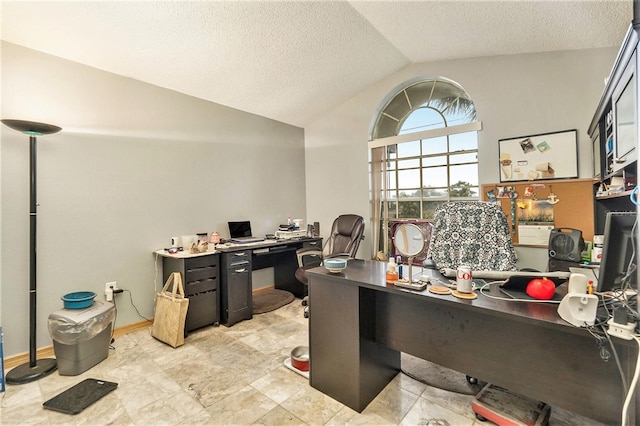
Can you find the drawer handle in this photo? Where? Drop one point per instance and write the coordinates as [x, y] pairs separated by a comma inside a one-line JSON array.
[[204, 268], [241, 270], [239, 254]]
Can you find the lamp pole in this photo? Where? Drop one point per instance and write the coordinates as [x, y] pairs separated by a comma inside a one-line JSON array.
[[35, 369]]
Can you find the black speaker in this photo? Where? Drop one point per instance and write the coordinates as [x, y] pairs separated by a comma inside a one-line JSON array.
[[566, 244]]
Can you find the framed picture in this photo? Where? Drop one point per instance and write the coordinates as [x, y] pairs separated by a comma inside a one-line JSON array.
[[539, 157]]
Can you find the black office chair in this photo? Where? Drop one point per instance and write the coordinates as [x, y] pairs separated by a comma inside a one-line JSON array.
[[471, 233], [346, 233]]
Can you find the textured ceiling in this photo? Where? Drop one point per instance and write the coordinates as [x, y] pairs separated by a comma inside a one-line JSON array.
[[292, 61]]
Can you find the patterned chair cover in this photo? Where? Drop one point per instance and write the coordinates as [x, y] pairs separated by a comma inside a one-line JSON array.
[[472, 233]]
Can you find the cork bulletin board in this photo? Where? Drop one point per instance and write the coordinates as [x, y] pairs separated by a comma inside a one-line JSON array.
[[543, 156], [543, 205]]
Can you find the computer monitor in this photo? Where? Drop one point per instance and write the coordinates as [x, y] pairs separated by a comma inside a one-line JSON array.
[[618, 248], [240, 229]]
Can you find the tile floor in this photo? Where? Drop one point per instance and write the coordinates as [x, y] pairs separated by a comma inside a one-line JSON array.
[[232, 376]]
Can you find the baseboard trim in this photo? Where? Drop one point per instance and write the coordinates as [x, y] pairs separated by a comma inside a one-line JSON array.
[[48, 352], [263, 289]]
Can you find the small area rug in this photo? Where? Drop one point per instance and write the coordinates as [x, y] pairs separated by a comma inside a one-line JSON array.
[[270, 300], [437, 376]]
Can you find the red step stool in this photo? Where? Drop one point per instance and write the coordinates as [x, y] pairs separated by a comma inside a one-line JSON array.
[[506, 408]]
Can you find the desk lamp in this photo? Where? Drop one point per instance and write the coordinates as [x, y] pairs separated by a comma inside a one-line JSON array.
[[34, 369]]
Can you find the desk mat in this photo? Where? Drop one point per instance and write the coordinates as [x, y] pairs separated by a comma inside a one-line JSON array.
[[522, 294], [80, 396]]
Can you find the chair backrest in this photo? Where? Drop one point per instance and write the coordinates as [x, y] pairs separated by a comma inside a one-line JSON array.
[[346, 234], [472, 233]]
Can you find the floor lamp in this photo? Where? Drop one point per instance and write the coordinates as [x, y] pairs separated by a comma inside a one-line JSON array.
[[34, 369]]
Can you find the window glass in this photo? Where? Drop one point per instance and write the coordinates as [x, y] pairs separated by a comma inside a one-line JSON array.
[[435, 177], [463, 142], [434, 145], [409, 178], [408, 149], [422, 119], [470, 157], [408, 164], [464, 173], [440, 160]]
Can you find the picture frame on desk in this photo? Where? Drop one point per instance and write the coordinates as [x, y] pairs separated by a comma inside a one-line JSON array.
[[544, 156]]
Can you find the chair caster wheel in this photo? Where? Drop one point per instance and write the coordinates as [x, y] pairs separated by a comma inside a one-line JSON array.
[[305, 303], [306, 314], [480, 418], [472, 380]]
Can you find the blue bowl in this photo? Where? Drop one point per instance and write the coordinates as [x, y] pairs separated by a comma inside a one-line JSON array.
[[78, 299], [335, 265]]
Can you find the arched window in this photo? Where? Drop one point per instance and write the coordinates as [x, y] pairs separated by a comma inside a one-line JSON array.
[[424, 152]]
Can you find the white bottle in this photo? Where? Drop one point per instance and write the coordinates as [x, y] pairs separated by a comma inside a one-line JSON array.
[[392, 271]]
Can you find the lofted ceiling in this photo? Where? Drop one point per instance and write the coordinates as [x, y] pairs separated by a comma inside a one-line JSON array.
[[292, 61]]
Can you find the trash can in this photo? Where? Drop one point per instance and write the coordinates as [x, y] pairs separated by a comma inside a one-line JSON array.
[[81, 337]]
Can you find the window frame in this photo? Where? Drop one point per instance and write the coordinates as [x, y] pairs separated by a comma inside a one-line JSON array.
[[381, 203]]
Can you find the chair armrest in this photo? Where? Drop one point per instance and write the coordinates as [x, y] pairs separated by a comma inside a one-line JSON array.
[[307, 251]]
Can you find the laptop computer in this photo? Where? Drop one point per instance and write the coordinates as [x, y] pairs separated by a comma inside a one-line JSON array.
[[240, 232]]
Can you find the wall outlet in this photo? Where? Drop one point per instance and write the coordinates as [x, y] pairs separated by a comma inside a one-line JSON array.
[[109, 289]]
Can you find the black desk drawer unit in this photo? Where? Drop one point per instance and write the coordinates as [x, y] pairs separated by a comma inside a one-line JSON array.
[[235, 296], [200, 279]]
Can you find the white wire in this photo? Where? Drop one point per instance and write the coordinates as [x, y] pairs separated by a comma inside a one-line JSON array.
[[155, 278], [632, 386], [510, 299]]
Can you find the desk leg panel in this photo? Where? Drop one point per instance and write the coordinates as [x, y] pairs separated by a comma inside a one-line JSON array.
[[549, 364], [286, 265], [345, 363]]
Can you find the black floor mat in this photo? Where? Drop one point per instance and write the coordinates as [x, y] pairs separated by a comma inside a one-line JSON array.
[[78, 397]]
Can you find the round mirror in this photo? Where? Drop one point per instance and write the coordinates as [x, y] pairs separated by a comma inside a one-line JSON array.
[[409, 240]]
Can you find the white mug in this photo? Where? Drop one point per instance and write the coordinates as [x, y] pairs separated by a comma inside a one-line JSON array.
[[174, 242]]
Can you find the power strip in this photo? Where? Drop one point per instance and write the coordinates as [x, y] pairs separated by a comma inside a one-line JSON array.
[[621, 331]]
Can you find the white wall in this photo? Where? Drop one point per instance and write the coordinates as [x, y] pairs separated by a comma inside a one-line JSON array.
[[134, 165], [514, 95]]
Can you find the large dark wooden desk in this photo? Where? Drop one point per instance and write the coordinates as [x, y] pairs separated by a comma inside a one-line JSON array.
[[358, 326]]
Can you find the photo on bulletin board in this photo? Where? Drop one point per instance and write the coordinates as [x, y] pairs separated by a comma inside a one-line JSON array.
[[539, 157]]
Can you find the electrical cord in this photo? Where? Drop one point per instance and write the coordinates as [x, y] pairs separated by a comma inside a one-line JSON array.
[[113, 326], [135, 307], [602, 342], [632, 387], [511, 299], [155, 278]]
